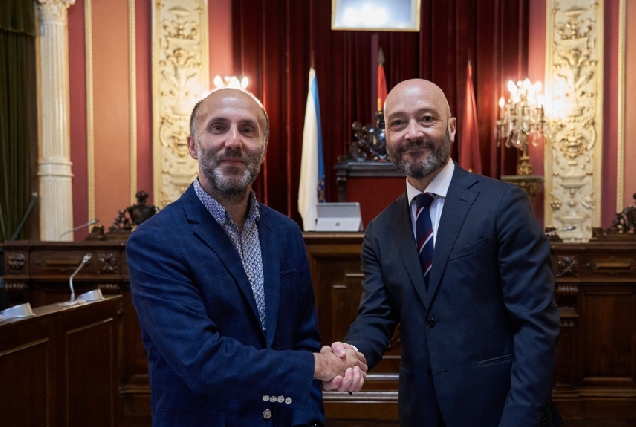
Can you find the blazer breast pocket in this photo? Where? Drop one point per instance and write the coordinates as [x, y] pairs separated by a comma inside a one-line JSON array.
[[467, 250]]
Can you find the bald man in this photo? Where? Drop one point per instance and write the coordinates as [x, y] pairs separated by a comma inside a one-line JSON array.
[[223, 291], [477, 317]]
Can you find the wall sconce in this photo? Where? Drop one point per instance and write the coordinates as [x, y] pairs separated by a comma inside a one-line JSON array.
[[522, 120]]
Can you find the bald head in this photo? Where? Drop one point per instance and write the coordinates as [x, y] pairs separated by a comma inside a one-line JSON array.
[[419, 130], [225, 92], [417, 89]]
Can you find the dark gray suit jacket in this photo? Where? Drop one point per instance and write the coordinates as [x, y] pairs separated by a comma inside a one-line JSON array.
[[480, 345]]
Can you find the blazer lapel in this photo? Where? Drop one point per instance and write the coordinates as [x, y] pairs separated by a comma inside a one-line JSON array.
[[271, 275], [402, 230], [212, 234], [457, 204]]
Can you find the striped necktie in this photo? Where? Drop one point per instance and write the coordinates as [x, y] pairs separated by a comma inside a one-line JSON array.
[[424, 233]]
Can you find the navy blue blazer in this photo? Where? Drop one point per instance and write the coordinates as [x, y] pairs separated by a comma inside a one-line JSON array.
[[209, 361], [480, 345]]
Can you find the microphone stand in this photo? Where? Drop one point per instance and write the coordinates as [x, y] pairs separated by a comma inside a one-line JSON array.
[[91, 222], [553, 232], [73, 301]]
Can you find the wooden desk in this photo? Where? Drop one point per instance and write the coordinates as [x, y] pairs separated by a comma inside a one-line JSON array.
[[38, 272], [596, 295], [59, 367]]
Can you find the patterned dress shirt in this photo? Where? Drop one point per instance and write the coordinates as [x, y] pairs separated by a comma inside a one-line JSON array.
[[246, 243]]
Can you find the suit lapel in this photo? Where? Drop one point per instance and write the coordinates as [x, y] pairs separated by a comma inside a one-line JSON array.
[[212, 234], [402, 230], [271, 275], [459, 199]]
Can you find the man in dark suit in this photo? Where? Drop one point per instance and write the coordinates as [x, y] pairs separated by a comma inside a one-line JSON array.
[[223, 290], [478, 325]]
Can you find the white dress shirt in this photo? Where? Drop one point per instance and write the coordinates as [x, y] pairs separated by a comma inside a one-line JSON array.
[[439, 187]]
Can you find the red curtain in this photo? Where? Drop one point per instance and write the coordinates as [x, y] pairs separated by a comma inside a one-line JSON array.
[[276, 41]]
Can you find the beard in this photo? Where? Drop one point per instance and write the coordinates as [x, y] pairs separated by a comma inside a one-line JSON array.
[[231, 186], [436, 159]]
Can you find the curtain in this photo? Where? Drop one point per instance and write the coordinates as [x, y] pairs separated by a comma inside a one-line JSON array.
[[17, 121], [276, 41]]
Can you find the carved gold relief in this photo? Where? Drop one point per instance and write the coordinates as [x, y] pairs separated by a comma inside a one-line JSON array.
[[180, 77], [574, 80]]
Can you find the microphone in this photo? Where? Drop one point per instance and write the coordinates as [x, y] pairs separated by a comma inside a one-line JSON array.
[[570, 228], [70, 280], [91, 222]]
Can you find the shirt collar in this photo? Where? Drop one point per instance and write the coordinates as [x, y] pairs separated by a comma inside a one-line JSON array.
[[438, 186], [218, 212]]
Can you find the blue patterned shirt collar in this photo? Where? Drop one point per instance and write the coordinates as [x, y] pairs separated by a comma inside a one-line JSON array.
[[219, 213]]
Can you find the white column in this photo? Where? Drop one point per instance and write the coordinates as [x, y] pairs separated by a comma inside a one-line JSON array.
[[54, 164]]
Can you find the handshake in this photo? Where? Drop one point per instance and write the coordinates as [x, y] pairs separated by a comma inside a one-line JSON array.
[[340, 367]]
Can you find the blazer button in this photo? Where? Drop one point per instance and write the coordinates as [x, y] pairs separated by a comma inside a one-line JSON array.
[[267, 414], [430, 322]]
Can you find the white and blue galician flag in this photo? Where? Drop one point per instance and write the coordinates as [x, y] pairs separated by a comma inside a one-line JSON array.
[[312, 169]]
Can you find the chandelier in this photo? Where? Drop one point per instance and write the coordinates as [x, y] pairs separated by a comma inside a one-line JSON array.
[[231, 82], [522, 120]]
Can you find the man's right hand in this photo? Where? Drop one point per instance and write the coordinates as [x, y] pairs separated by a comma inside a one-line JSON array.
[[329, 366], [353, 380]]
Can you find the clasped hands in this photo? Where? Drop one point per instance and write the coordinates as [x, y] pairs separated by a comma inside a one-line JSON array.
[[340, 367]]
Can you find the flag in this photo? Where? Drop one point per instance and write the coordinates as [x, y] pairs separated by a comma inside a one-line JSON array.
[[469, 156], [312, 170], [382, 91]]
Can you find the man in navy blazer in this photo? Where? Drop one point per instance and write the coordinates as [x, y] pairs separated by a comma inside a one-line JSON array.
[[223, 292], [479, 344]]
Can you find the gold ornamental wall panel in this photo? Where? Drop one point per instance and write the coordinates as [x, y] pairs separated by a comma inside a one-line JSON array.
[[179, 77], [574, 93]]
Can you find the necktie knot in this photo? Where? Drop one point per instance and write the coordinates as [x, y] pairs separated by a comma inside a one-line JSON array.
[[424, 200]]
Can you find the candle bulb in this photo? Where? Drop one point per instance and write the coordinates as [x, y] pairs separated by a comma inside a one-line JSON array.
[[501, 108]]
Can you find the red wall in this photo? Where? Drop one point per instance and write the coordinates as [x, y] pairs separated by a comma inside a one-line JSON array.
[[111, 105]]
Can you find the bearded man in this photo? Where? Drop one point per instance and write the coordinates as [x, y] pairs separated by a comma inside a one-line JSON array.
[[461, 263], [223, 292]]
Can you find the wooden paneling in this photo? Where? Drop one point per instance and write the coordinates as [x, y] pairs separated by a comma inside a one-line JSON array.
[[596, 355], [335, 263], [59, 367], [38, 272], [29, 345], [596, 364]]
